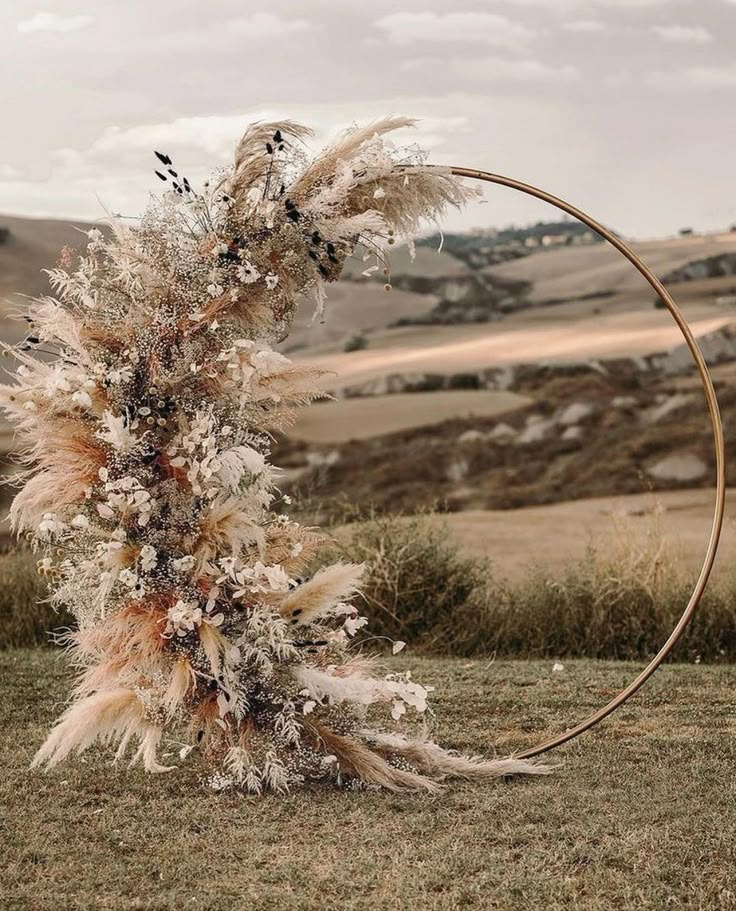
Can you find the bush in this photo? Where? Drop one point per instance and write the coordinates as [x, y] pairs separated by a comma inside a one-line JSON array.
[[621, 604], [25, 619], [417, 583], [357, 342]]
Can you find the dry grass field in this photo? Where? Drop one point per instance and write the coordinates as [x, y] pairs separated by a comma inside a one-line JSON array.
[[570, 272], [575, 334], [556, 536], [359, 419], [640, 814]]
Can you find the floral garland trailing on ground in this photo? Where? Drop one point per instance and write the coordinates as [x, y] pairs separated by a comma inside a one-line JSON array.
[[147, 425]]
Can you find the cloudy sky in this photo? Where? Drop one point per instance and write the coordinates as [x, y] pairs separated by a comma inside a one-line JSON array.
[[625, 107]]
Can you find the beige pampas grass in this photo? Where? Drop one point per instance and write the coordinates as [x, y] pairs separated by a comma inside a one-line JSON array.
[[317, 597], [213, 643], [252, 160], [349, 143], [439, 764], [183, 679], [227, 526], [113, 716], [357, 760]]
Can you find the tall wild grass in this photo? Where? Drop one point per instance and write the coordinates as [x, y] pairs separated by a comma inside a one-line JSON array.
[[621, 602]]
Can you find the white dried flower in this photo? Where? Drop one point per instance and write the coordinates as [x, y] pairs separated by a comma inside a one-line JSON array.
[[247, 273], [148, 557]]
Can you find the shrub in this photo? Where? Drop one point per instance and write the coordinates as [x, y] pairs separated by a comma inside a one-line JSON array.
[[622, 603], [25, 619], [416, 582], [357, 342]]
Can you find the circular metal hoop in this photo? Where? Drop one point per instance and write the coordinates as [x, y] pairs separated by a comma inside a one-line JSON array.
[[715, 418]]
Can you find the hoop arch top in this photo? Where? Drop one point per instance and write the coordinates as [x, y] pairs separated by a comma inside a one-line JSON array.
[[717, 427]]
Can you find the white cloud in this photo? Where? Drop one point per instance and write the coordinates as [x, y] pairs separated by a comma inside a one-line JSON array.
[[116, 169], [476, 28], [585, 26], [696, 77], [618, 79], [563, 6], [52, 22], [213, 134], [500, 71], [683, 34], [267, 25]]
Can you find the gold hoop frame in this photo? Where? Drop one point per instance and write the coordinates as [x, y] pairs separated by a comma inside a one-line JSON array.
[[717, 426]]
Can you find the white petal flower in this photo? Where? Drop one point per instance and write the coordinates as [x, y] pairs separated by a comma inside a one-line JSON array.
[[397, 710], [183, 617], [128, 577], [248, 274], [115, 432], [148, 557], [353, 624], [82, 398]]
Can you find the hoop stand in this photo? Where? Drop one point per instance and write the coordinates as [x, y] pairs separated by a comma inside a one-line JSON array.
[[717, 427]]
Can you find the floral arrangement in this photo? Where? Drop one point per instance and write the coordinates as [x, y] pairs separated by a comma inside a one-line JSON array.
[[146, 393]]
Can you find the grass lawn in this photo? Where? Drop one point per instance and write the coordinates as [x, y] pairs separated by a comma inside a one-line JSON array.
[[642, 813]]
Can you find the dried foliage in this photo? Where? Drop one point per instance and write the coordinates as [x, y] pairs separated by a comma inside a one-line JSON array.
[[149, 489]]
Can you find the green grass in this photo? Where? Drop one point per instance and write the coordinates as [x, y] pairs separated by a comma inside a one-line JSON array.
[[640, 815]]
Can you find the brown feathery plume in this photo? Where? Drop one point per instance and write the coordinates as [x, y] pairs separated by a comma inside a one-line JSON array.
[[67, 463], [358, 761], [439, 764], [318, 596]]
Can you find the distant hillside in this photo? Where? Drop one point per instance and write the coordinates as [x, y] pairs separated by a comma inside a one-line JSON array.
[[484, 248], [29, 246], [570, 273]]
